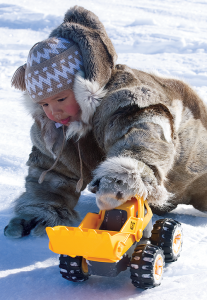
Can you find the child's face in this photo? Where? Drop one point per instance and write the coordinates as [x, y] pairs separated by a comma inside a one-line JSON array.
[[62, 107]]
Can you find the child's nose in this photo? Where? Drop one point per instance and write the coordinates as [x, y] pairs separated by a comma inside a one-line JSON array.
[[55, 109], [56, 112]]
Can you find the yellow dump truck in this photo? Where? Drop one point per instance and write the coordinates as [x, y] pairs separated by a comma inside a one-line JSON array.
[[107, 243]]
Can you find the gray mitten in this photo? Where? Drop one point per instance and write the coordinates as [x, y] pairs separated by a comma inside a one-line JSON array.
[[118, 179], [19, 227], [23, 225]]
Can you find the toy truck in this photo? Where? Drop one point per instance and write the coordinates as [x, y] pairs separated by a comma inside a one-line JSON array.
[[107, 243]]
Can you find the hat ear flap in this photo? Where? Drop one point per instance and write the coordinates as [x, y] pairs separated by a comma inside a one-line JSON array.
[[18, 79]]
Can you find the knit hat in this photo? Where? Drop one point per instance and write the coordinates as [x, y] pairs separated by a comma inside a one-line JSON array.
[[51, 67]]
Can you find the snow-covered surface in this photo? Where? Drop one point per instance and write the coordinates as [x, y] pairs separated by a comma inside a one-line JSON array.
[[168, 37]]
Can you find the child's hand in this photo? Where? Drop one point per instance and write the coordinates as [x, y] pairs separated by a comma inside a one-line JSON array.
[[20, 227], [111, 192], [118, 179], [24, 225]]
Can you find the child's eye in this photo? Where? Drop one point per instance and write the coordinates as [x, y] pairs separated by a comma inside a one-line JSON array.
[[62, 99], [45, 104]]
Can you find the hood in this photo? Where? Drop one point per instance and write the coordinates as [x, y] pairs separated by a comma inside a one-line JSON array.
[[99, 58]]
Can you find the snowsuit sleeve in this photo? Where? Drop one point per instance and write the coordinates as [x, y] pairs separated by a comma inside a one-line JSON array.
[[52, 202], [140, 151]]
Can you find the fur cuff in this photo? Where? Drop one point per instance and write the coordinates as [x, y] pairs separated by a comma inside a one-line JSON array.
[[118, 179]]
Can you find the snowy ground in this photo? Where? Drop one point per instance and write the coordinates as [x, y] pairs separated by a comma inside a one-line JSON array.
[[165, 36]]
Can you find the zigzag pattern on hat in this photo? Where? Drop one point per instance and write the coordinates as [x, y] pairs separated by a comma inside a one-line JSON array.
[[31, 86], [47, 52]]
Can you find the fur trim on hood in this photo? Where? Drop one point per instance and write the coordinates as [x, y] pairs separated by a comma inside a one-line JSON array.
[[88, 94]]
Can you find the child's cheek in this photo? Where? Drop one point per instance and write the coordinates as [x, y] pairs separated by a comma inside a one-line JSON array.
[[49, 115], [72, 110]]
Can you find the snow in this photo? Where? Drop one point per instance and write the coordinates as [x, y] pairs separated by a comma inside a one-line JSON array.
[[168, 37]]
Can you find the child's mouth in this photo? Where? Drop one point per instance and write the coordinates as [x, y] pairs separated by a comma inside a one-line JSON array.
[[65, 121]]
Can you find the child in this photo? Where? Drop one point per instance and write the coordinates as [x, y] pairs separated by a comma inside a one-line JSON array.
[[137, 133]]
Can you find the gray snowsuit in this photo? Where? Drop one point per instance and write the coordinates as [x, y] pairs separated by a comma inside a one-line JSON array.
[[139, 134]]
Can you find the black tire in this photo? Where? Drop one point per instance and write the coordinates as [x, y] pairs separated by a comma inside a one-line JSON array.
[[167, 234], [73, 268], [146, 271]]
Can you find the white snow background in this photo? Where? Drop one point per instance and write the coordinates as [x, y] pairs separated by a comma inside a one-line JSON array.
[[153, 35]]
